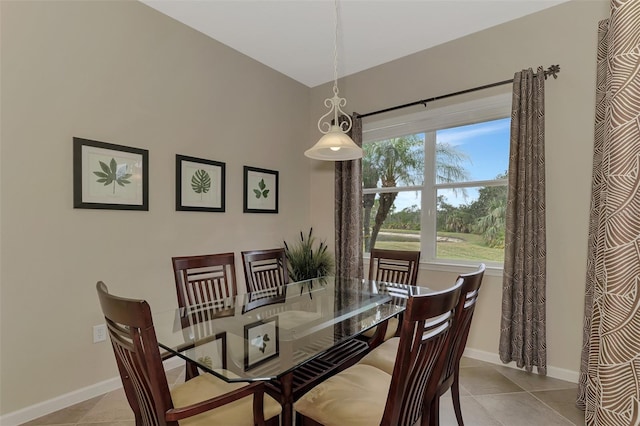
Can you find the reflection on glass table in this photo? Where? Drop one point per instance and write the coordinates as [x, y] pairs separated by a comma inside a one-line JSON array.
[[276, 334]]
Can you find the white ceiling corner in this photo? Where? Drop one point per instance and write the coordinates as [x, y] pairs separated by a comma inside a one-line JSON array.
[[296, 37]]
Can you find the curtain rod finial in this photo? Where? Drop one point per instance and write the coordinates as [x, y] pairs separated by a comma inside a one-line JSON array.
[[553, 70]]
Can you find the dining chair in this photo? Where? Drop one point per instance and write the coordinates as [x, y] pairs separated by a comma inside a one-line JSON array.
[[265, 269], [451, 372], [208, 279], [203, 400], [394, 266], [384, 356], [204, 278], [366, 395]]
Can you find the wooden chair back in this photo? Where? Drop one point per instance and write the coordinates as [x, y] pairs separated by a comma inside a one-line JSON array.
[[134, 342], [135, 346], [204, 278], [265, 269], [397, 266], [391, 266], [206, 283], [421, 356], [471, 283], [466, 306]]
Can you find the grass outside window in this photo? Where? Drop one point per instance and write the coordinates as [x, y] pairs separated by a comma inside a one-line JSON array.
[[450, 245]]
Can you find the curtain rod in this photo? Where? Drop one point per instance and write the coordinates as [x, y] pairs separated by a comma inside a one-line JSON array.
[[552, 70]]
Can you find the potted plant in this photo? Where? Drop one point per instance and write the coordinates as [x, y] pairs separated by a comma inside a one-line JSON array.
[[305, 262]]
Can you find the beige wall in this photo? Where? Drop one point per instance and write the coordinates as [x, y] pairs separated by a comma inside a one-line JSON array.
[[123, 73], [565, 35]]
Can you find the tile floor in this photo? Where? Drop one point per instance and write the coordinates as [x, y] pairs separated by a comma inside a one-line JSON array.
[[491, 395]]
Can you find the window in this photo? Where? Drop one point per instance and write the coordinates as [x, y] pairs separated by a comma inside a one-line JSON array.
[[436, 181]]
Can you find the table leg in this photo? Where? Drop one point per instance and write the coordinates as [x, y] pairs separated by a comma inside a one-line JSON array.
[[286, 399]]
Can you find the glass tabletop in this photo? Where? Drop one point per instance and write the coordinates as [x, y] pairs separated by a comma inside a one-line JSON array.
[[263, 335]]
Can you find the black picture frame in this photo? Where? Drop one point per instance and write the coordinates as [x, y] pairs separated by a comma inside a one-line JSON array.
[[109, 176], [261, 190], [257, 350], [200, 184]]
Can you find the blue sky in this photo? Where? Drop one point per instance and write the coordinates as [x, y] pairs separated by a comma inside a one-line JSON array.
[[487, 147]]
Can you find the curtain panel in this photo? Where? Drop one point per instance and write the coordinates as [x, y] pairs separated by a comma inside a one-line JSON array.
[[523, 322], [348, 223], [609, 387], [348, 213]]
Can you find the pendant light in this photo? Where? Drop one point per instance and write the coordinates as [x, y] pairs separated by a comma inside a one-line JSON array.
[[335, 145]]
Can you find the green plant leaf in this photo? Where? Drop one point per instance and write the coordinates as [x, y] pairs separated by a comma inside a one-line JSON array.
[[104, 178], [261, 191], [304, 261], [201, 182], [105, 168], [112, 174]]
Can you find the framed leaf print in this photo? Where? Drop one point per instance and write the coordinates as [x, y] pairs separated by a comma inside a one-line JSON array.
[[261, 342], [200, 184], [109, 176], [260, 190]]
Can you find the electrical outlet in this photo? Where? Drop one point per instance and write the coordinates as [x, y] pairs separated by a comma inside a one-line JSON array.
[[99, 333]]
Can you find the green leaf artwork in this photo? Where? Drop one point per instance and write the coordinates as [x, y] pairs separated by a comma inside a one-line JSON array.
[[201, 182], [113, 174], [261, 191], [260, 342]]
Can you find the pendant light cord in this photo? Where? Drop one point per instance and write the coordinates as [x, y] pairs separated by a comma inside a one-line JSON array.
[[335, 48], [337, 119]]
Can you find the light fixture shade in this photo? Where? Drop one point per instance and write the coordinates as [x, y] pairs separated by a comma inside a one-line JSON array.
[[334, 146]]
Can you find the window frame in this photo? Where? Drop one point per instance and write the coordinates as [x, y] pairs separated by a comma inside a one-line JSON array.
[[428, 122]]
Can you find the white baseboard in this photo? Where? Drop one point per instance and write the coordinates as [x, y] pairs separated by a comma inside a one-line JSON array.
[[493, 358], [63, 401]]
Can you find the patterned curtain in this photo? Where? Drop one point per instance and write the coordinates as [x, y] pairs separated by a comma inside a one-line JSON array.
[[348, 216], [523, 323], [348, 222], [609, 387]]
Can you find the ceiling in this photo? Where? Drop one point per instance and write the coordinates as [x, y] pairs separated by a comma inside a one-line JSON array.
[[296, 37]]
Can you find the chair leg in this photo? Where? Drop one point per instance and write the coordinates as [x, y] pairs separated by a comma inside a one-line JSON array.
[[424, 419], [190, 371], [434, 412], [455, 395], [378, 338], [397, 334]]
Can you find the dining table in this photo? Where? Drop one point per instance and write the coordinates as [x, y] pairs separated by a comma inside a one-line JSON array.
[[289, 336]]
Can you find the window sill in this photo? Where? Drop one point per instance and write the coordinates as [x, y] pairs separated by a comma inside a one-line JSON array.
[[461, 268], [492, 269]]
